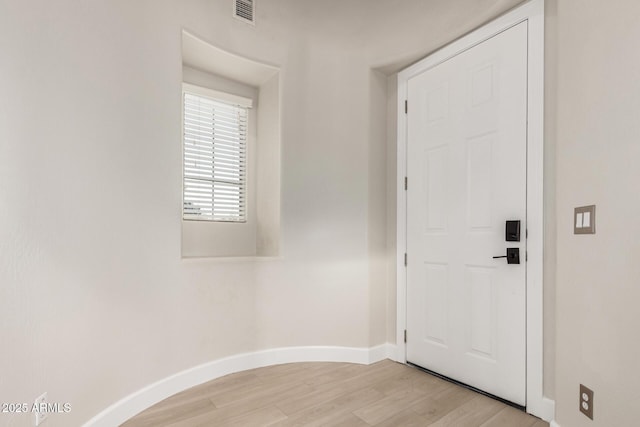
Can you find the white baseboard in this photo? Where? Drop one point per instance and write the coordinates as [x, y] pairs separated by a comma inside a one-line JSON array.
[[553, 423], [135, 403], [544, 408]]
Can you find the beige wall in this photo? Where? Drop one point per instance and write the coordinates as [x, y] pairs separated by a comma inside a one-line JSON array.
[[598, 129], [95, 300]]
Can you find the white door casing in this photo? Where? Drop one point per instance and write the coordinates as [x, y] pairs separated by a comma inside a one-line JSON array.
[[531, 12], [466, 165]]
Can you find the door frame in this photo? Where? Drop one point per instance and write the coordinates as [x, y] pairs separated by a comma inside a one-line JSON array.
[[533, 13]]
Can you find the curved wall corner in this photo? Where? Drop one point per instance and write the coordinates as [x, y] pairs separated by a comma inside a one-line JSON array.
[[137, 402]]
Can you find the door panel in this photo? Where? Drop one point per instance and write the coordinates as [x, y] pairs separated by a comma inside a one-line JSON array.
[[435, 184], [467, 157], [435, 297]]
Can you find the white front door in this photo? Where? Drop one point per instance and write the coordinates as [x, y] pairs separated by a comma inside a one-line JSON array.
[[466, 168]]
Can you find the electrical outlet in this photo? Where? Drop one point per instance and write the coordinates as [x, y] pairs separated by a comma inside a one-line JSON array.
[[40, 409], [586, 401]]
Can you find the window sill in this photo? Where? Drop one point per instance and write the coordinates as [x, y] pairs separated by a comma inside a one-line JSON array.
[[230, 259]]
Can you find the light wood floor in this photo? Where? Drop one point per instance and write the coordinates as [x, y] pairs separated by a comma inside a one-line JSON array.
[[386, 394]]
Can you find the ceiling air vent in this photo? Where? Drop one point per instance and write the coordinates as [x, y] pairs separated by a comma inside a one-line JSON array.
[[244, 10]]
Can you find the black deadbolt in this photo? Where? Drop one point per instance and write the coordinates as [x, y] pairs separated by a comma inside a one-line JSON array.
[[512, 231]]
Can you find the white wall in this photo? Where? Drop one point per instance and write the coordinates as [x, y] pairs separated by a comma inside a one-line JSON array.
[[268, 169], [598, 104], [95, 300]]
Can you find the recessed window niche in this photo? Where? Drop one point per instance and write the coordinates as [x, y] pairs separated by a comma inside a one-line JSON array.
[[212, 68]]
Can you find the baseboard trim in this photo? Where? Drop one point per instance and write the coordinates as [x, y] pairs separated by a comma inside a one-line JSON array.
[[133, 404], [553, 423], [542, 407]]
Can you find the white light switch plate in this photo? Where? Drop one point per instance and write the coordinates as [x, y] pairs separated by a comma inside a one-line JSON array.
[[584, 220]]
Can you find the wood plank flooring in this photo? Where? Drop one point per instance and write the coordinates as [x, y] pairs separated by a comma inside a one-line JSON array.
[[385, 394]]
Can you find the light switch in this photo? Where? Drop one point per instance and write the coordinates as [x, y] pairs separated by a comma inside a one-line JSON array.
[[578, 220], [585, 220]]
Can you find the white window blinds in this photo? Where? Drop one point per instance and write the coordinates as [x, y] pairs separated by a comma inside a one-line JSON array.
[[215, 146]]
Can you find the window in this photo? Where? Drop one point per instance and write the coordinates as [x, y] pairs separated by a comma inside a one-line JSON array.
[[214, 153], [220, 76]]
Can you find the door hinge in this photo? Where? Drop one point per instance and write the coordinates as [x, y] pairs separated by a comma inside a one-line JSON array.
[[405, 259], [405, 335], [406, 183], [406, 106]]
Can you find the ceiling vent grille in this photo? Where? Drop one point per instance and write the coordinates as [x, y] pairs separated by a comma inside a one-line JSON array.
[[244, 10]]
